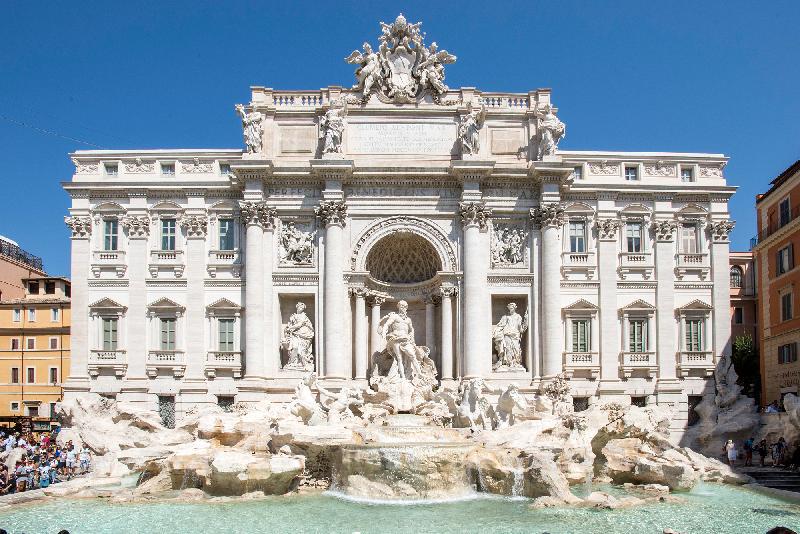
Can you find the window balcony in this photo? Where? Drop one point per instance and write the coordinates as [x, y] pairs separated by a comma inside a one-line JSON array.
[[224, 260], [116, 360], [696, 360], [583, 362], [224, 361], [692, 263], [167, 260], [112, 260], [636, 263], [639, 361], [171, 360], [581, 263]]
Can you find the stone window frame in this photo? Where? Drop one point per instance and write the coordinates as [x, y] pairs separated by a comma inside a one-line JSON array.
[[698, 216], [693, 167], [165, 308], [696, 310], [635, 213], [101, 213], [159, 212], [581, 310], [740, 274], [636, 165], [224, 309], [223, 210], [106, 309], [638, 310], [787, 290], [579, 212]]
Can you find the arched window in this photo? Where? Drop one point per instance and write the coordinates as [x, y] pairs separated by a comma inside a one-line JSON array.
[[736, 276]]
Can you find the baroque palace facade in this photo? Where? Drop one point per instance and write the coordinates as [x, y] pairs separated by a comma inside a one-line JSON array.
[[203, 276]]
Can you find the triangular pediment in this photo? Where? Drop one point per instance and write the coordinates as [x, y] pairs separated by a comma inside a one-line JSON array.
[[581, 304], [223, 304], [164, 304], [695, 305], [107, 304], [638, 304]]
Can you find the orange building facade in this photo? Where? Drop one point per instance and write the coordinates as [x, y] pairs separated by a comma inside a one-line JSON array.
[[775, 256], [744, 313], [16, 264], [34, 347]]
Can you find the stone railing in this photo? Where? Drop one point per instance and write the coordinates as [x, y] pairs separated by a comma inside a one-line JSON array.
[[224, 260], [582, 361], [578, 262], [645, 361], [635, 262], [114, 360], [509, 101], [696, 263], [224, 360], [108, 259], [699, 360], [170, 259], [298, 99], [173, 360]]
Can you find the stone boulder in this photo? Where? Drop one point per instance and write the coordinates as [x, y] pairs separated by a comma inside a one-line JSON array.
[[237, 473], [635, 461], [318, 444], [190, 467]]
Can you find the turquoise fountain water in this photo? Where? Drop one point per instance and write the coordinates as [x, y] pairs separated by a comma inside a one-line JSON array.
[[707, 509]]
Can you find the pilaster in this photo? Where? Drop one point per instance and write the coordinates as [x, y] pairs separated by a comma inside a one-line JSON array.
[[78, 381], [607, 234], [720, 275], [664, 234]]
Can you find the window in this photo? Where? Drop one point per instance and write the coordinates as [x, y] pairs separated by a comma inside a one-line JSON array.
[[786, 306], [168, 334], [784, 261], [785, 212], [225, 402], [641, 402], [167, 234], [33, 411], [15, 375], [633, 233], [226, 234], [109, 334], [33, 288], [168, 169], [637, 333], [53, 375], [54, 314], [577, 172], [52, 410], [736, 276], [31, 375], [31, 315], [17, 315], [580, 336], [689, 238], [577, 236], [15, 406], [53, 343], [67, 290], [31, 343], [631, 173], [694, 335], [50, 288], [687, 174], [738, 315], [112, 169], [110, 233], [787, 353], [226, 335], [224, 168], [580, 404], [14, 343]]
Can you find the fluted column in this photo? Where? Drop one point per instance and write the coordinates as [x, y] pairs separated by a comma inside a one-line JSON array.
[[430, 324], [477, 342], [78, 381], [446, 372], [333, 214], [550, 218], [375, 340], [361, 332]]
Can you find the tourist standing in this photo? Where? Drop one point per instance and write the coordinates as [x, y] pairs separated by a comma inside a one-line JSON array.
[[85, 458], [748, 451], [730, 449], [72, 458]]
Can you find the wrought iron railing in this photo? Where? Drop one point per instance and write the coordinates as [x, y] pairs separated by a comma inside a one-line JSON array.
[[11, 250]]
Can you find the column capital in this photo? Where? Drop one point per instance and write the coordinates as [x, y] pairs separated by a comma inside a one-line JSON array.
[[258, 213], [332, 212], [548, 214], [607, 229], [376, 300], [474, 214], [81, 227], [720, 230], [359, 292], [448, 291], [664, 230], [136, 226], [196, 226]]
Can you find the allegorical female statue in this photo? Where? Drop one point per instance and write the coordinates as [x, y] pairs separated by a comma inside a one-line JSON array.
[[332, 128], [469, 130], [507, 335], [551, 131], [297, 338], [253, 129]]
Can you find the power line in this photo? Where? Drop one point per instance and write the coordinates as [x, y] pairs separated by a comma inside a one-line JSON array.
[[48, 132]]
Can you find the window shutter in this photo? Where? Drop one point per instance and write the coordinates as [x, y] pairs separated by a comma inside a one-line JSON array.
[[791, 256], [777, 263]]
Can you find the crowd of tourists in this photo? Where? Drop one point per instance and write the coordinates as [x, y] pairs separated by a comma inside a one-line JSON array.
[[41, 463], [778, 454]]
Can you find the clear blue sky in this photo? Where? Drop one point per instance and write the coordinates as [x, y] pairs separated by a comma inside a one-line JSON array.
[[667, 76]]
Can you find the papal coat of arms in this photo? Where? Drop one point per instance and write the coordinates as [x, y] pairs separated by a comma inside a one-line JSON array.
[[403, 68]]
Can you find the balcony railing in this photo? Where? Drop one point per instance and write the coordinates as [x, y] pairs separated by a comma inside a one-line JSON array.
[[166, 259], [12, 250], [108, 259], [690, 360], [635, 262], [687, 262], [224, 259], [645, 361], [172, 360], [582, 361], [107, 359], [224, 360], [773, 225], [578, 262]]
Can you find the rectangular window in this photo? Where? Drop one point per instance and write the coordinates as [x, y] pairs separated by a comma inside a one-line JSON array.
[[631, 173], [14, 406], [787, 353], [577, 172], [15, 375], [633, 233], [577, 236], [226, 234], [14, 343], [637, 329], [694, 335], [109, 334], [738, 315], [226, 335], [786, 306], [168, 169], [112, 169], [54, 314], [31, 315], [31, 343], [689, 238], [784, 262], [33, 288], [17, 315], [110, 233], [54, 375], [580, 336], [785, 212], [50, 288], [224, 168], [167, 234], [33, 411], [52, 410], [53, 343], [687, 174], [31, 375], [168, 334]]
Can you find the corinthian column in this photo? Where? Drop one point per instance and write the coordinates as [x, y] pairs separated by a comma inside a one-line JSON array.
[[550, 218], [375, 339], [446, 372], [361, 332], [477, 335], [78, 380], [332, 215]]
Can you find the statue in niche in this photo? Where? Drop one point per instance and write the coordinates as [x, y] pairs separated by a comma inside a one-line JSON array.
[[507, 246], [469, 129], [551, 131], [252, 123], [507, 336], [331, 128], [297, 338], [296, 246]]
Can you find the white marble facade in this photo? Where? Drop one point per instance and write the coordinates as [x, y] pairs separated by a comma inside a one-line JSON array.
[[187, 265]]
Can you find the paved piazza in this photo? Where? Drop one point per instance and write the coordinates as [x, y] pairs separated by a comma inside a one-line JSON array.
[[219, 276]]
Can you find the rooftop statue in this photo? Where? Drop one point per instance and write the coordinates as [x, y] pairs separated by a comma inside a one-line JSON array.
[[252, 123], [403, 68], [551, 131]]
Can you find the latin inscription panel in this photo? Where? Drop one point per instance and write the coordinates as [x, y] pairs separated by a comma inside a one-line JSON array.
[[401, 138]]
